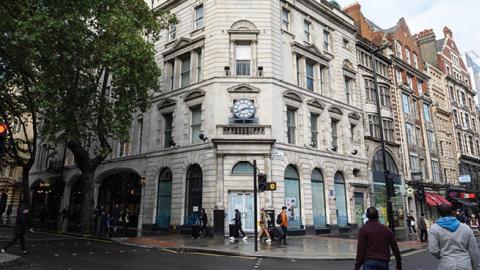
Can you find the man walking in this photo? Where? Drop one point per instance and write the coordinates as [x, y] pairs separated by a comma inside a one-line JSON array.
[[453, 243], [238, 224], [374, 243], [423, 229], [411, 223], [20, 229], [284, 224]]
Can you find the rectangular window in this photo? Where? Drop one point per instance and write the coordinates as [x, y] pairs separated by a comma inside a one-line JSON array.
[[370, 91], [306, 30], [326, 40], [419, 87], [406, 103], [196, 125], [407, 56], [348, 83], [463, 99], [199, 17], [384, 96], [470, 144], [418, 137], [285, 19], [414, 164], [426, 113], [374, 125], [123, 149], [185, 73], [314, 129], [431, 141], [171, 76], [398, 50], [410, 81], [415, 61], [299, 74], [398, 75], [243, 56], [167, 130], [334, 125], [291, 126], [310, 76], [435, 171], [452, 93], [410, 134], [459, 141], [172, 32], [414, 109], [388, 130], [199, 65]]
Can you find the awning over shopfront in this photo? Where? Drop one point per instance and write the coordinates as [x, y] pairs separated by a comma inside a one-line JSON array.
[[466, 202], [434, 199]]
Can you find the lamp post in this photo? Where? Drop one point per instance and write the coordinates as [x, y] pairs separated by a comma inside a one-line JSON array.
[[386, 174], [255, 229]]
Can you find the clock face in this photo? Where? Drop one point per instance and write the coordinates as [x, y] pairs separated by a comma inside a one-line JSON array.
[[243, 108]]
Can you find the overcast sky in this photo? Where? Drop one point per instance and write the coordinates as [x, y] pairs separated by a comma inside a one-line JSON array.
[[462, 16]]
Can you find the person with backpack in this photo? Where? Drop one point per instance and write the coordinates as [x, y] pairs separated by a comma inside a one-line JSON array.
[[283, 224]]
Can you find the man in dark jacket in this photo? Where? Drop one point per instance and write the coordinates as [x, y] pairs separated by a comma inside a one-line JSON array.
[[20, 229], [374, 243], [238, 223], [423, 229]]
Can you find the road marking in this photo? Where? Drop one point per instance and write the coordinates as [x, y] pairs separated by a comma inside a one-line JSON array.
[[410, 253], [221, 255]]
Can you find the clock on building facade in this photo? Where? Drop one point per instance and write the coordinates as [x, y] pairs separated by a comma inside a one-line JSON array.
[[243, 109]]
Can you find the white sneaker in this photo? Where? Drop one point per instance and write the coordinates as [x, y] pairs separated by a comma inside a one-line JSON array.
[[232, 238], [269, 241], [245, 238], [2, 251]]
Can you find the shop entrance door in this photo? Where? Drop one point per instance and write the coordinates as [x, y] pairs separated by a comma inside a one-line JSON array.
[[243, 201], [359, 207]]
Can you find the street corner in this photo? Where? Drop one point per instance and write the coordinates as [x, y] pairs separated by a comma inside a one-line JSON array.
[[6, 259], [148, 242]]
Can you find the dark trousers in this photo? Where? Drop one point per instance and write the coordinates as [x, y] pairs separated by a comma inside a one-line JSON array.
[[423, 235], [284, 237], [375, 265], [239, 227], [20, 236], [410, 229]]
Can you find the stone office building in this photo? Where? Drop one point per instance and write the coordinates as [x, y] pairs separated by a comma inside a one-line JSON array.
[[271, 81]]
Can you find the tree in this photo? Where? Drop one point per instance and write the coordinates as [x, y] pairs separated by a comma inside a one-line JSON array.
[[18, 97], [95, 66]]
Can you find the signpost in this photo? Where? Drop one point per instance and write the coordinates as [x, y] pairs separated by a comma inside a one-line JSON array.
[[255, 203]]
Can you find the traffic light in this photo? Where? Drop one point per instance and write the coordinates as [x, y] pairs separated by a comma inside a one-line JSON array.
[[3, 135], [420, 193], [262, 182]]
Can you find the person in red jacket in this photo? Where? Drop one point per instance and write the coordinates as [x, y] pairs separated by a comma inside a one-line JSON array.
[[374, 243]]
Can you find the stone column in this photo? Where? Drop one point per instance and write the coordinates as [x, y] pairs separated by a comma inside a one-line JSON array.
[[220, 204]]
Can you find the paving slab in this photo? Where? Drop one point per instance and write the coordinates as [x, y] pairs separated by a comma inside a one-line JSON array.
[[6, 259]]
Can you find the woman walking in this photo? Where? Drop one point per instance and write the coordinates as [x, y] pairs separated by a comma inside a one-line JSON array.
[[264, 219]]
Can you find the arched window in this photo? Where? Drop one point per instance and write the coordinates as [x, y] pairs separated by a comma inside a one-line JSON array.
[[243, 167], [194, 192], [292, 197], [318, 200], [340, 200], [378, 163], [164, 199]]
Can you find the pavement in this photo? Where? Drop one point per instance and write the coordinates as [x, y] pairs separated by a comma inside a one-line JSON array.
[[309, 247]]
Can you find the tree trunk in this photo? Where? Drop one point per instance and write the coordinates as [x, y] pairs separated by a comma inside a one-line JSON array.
[[25, 186], [87, 213]]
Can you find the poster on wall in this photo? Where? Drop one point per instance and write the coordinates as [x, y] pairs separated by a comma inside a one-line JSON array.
[[291, 204]]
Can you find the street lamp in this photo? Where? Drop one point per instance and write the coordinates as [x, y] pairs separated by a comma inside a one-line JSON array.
[[386, 174], [142, 182]]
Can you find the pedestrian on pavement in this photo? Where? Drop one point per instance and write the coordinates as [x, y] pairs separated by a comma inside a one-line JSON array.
[[20, 229], [264, 219], [116, 215], [423, 229], [411, 223], [109, 225], [238, 223], [284, 224], [453, 243], [204, 222], [125, 220], [64, 216], [374, 243], [460, 216], [9, 213]]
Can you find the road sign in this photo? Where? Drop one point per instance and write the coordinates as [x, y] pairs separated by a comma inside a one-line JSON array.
[[272, 186]]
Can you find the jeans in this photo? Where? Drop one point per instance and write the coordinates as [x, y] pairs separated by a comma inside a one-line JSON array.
[[375, 265], [423, 235]]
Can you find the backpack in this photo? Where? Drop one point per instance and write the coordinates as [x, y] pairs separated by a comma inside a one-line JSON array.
[[279, 219]]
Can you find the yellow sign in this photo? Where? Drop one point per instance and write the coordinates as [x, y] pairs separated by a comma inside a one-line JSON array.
[[272, 186]]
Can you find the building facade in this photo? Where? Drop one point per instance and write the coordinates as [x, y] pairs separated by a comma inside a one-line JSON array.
[[445, 55], [271, 81]]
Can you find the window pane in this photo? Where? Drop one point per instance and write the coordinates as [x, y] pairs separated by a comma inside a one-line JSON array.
[[291, 125], [196, 124], [310, 76], [243, 52], [185, 71]]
